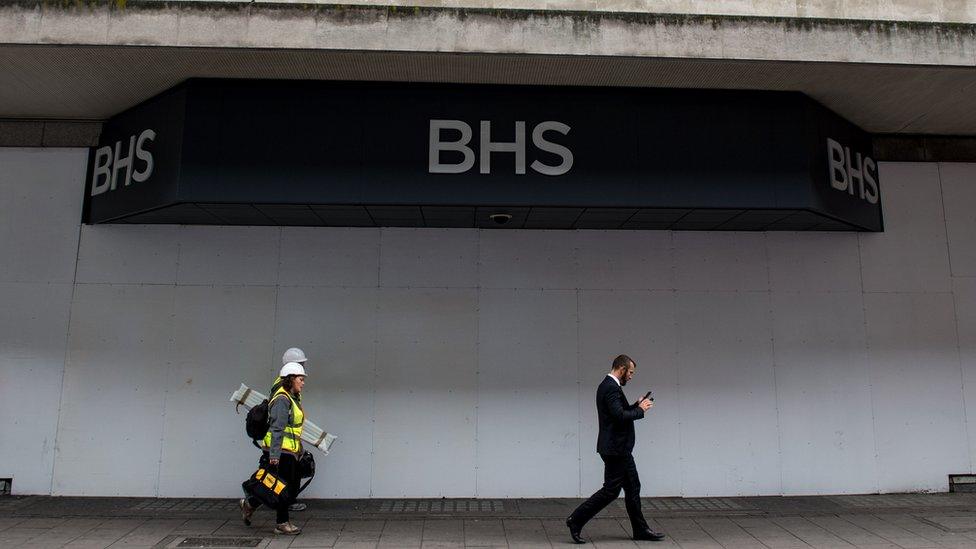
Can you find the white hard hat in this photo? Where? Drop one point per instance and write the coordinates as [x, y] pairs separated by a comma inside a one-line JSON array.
[[292, 369], [293, 355]]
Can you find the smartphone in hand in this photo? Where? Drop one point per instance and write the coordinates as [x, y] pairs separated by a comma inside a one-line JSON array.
[[648, 397]]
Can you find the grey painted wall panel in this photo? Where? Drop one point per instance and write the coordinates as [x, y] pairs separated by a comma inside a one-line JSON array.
[[221, 339], [128, 254], [419, 258], [916, 392], [528, 259], [964, 290], [119, 351], [336, 327], [640, 324], [329, 256], [42, 192], [33, 324], [813, 262], [910, 256], [528, 420], [625, 260], [729, 430], [823, 393], [959, 195], [720, 261], [229, 255], [425, 412]]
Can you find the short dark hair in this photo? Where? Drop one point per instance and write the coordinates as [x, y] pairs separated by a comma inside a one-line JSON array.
[[623, 361]]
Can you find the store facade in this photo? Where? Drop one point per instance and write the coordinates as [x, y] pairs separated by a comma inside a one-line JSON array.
[[462, 260]]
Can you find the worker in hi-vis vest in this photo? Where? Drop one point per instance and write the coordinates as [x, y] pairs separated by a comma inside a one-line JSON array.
[[283, 444], [293, 354]]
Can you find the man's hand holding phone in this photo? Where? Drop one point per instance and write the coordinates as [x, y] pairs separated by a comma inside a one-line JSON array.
[[647, 402]]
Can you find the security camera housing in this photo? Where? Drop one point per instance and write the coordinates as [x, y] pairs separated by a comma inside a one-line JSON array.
[[500, 218]]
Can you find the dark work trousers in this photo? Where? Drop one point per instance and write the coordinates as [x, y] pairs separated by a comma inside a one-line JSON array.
[[287, 472], [618, 472]]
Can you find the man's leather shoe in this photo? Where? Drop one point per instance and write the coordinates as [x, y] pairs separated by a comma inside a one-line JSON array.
[[648, 535], [574, 531]]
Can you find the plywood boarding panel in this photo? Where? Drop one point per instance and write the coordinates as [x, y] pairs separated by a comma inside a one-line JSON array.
[[625, 260], [910, 255], [729, 433], [317, 256], [916, 390], [528, 440], [964, 293], [128, 254], [959, 200], [813, 262], [229, 255], [40, 212], [429, 258], [33, 328], [717, 261], [336, 327], [119, 351], [423, 443], [823, 393], [528, 259], [222, 337], [640, 324]]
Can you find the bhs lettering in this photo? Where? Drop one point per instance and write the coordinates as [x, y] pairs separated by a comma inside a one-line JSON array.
[[846, 169], [109, 162], [434, 164]]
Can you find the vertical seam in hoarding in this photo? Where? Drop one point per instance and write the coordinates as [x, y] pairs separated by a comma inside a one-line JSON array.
[[274, 317], [955, 319], [166, 376], [376, 344], [866, 357], [772, 350], [67, 350], [579, 396], [477, 364]]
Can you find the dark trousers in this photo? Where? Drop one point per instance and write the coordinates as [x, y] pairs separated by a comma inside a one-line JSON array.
[[287, 471], [618, 472]]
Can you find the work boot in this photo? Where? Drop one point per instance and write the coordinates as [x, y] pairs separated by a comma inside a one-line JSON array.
[[246, 511], [297, 507], [287, 529]]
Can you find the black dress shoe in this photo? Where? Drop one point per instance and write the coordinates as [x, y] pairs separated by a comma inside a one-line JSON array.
[[648, 535], [574, 531]]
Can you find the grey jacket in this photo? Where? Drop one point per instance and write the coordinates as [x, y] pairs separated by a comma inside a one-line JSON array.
[[279, 414]]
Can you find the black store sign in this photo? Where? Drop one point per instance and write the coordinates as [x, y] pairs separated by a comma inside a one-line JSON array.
[[383, 154]]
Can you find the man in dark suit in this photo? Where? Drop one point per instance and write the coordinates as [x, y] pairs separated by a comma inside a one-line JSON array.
[[615, 445]]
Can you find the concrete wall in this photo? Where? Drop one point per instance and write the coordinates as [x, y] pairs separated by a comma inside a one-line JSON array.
[[946, 11], [463, 362]]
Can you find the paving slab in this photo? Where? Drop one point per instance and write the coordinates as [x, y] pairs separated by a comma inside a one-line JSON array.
[[893, 521]]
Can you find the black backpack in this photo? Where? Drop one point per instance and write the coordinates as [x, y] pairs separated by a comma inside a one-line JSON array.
[[256, 423]]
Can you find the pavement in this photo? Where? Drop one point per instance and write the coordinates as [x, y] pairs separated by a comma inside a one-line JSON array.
[[889, 521]]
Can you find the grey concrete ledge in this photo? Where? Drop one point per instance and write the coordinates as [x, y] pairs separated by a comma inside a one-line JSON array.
[[273, 25], [924, 148], [49, 133], [938, 11]]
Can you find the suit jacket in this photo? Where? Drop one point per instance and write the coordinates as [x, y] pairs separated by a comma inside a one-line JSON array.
[[616, 420]]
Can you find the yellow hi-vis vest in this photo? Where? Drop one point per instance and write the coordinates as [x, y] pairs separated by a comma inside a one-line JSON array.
[[292, 441]]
